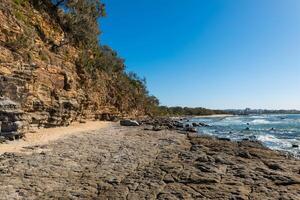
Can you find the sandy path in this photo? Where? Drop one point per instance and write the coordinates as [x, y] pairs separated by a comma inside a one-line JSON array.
[[44, 136]]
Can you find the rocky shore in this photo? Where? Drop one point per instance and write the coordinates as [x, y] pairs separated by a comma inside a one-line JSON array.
[[133, 163]]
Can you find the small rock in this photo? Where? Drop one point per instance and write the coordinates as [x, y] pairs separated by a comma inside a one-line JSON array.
[[244, 154], [274, 166], [129, 123], [224, 139], [203, 124], [168, 179], [295, 146], [195, 124]]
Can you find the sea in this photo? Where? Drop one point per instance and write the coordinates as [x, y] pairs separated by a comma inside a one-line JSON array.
[[278, 132]]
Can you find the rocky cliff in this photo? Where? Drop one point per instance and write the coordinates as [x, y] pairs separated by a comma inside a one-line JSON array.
[[40, 83]]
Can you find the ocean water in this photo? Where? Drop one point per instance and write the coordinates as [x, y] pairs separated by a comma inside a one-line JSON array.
[[278, 132]]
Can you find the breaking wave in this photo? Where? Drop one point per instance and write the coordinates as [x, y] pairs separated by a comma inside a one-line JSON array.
[[279, 132]]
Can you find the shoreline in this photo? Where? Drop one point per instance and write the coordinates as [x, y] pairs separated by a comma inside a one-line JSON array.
[[212, 116], [264, 137], [115, 162], [201, 116]]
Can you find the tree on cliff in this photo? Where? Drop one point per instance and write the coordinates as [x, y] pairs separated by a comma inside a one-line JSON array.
[[81, 19], [126, 91]]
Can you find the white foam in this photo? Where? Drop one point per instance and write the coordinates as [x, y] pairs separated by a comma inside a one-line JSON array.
[[264, 121], [267, 138], [260, 121], [274, 142]]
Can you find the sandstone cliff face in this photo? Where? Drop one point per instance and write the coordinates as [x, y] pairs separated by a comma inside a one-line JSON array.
[[40, 85]]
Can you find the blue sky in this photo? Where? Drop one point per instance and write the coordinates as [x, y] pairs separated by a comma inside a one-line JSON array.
[[210, 53]]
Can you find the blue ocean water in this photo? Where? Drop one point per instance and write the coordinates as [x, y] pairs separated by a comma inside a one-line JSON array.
[[279, 132]]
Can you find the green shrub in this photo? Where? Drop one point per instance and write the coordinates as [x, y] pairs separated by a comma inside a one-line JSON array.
[[125, 91], [19, 15], [20, 2]]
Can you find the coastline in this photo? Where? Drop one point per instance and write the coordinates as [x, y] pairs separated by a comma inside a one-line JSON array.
[[201, 116], [212, 116], [115, 162]]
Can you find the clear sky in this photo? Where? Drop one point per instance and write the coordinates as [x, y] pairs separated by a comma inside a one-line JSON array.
[[210, 53]]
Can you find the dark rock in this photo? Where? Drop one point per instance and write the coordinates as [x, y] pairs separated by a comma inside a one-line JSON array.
[[224, 139], [195, 124], [12, 135], [288, 182], [295, 146], [11, 126], [203, 124], [274, 166], [178, 124], [129, 123], [244, 154]]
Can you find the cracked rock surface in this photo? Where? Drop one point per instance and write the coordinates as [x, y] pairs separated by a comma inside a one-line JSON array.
[[131, 163]]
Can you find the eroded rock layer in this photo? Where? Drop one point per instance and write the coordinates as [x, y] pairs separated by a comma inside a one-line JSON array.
[[134, 164], [41, 80]]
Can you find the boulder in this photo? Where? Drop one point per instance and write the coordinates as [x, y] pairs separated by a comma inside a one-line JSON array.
[[274, 166], [244, 154], [178, 124], [224, 139], [127, 122], [203, 124], [195, 124], [11, 126]]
